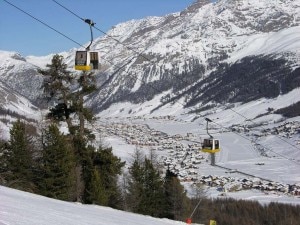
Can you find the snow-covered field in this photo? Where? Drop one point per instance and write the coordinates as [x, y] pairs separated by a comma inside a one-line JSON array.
[[22, 208]]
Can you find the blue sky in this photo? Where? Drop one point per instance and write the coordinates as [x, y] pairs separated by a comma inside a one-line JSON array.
[[23, 34]]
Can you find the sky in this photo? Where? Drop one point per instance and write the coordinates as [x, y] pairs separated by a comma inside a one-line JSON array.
[[23, 34]]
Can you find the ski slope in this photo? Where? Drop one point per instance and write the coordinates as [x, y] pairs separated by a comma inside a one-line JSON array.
[[22, 208]]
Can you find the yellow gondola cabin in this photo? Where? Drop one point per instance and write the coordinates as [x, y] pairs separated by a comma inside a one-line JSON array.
[[86, 60], [211, 145]]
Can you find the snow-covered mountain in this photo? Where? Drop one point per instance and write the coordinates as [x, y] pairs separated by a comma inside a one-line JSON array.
[[19, 75], [14, 106], [188, 55]]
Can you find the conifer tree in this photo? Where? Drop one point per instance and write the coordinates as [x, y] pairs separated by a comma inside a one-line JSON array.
[[57, 166], [87, 85], [177, 203], [57, 83], [87, 171], [134, 187], [98, 195], [3, 161], [20, 158], [56, 87], [153, 200], [109, 168], [145, 189]]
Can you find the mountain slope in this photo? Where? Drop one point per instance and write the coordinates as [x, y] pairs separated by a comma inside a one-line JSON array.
[[17, 207], [19, 75], [182, 50], [13, 107]]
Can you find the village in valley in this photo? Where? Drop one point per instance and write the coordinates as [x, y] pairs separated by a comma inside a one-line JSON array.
[[182, 155]]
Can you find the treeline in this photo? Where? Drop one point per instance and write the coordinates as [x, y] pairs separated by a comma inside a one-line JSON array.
[[247, 80], [8, 112], [290, 111], [231, 212]]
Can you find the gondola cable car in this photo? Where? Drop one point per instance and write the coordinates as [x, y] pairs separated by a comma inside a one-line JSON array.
[[86, 60], [210, 145]]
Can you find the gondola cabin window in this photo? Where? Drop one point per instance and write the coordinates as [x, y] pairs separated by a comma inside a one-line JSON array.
[[82, 61], [94, 60]]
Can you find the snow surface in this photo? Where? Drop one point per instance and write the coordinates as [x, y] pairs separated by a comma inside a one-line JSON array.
[[287, 40], [13, 61], [22, 208]]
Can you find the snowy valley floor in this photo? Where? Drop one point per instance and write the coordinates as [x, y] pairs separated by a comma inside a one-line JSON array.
[[238, 154]]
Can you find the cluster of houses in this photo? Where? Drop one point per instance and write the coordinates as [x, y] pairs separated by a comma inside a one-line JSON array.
[[287, 129], [232, 184], [181, 154], [143, 135]]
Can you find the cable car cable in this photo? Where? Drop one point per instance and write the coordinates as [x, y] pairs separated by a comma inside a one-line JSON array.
[[68, 10], [196, 207], [111, 37], [45, 24]]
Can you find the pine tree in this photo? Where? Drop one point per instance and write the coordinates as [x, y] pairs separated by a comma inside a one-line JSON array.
[[96, 171], [84, 168], [57, 166], [20, 158], [56, 87], [177, 202], [86, 85], [109, 168], [153, 200], [3, 162], [135, 184], [145, 189], [98, 194]]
